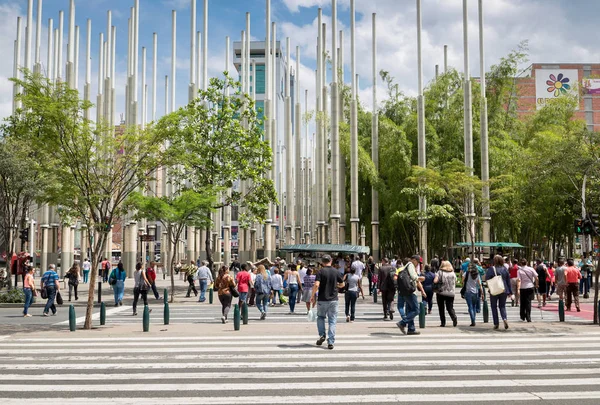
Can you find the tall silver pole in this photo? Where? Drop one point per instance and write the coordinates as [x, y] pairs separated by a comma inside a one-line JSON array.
[[76, 59], [173, 58], [269, 228], [28, 34], [143, 121], [71, 48], [324, 147], [191, 253], [298, 151], [445, 58], [485, 164], [274, 131], [375, 151], [354, 220], [59, 44], [227, 209], [205, 48], [468, 119], [335, 134], [17, 65], [38, 36], [421, 135], [289, 157], [87, 90], [154, 72], [50, 55], [320, 197], [342, 159]]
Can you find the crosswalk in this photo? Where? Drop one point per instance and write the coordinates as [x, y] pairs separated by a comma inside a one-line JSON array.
[[366, 312], [363, 368]]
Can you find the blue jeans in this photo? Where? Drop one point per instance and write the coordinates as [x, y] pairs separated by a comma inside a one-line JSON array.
[[262, 302], [119, 290], [327, 309], [276, 295], [478, 304], [243, 297], [409, 313], [498, 302], [293, 296], [584, 285], [28, 299], [472, 299], [51, 291], [86, 275], [203, 286], [351, 297]]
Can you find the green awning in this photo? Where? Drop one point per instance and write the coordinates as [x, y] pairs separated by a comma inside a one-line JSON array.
[[491, 244], [326, 248]]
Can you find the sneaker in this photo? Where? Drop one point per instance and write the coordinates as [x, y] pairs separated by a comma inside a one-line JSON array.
[[263, 316], [578, 310], [53, 313], [496, 327], [392, 316], [46, 314], [413, 332], [401, 327], [320, 340], [505, 324], [455, 322], [347, 319], [117, 304], [120, 303], [330, 347], [27, 316], [472, 324], [150, 310], [351, 321], [135, 314], [223, 319], [385, 318]]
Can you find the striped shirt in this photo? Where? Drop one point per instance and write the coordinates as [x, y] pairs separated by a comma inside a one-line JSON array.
[[309, 282], [49, 278]]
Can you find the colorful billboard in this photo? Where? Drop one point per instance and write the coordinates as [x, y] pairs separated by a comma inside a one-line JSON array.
[[591, 86], [554, 83]]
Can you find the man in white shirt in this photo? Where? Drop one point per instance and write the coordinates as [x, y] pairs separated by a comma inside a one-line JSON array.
[[358, 266], [86, 266], [204, 276], [302, 273]]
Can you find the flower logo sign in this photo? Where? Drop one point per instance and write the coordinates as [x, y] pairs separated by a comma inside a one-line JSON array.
[[558, 85]]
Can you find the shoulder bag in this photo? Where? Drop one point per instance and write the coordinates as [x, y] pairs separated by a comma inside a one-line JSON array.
[[234, 292], [59, 299], [496, 284]]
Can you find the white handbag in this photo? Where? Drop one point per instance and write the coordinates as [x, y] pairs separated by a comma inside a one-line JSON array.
[[496, 284]]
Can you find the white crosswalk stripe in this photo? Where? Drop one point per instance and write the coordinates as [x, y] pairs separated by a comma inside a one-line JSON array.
[[379, 368]]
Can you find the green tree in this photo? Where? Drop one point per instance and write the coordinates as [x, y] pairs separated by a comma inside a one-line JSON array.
[[92, 170]]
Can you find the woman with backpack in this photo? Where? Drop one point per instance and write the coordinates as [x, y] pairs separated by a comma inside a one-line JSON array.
[[473, 290], [226, 288], [446, 280], [73, 276], [141, 286], [117, 281], [262, 287], [499, 301], [427, 283]]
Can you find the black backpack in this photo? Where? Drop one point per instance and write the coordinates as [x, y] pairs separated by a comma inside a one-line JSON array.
[[405, 284]]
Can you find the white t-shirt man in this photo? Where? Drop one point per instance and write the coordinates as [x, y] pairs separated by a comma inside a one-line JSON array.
[[302, 273], [358, 267], [86, 265]]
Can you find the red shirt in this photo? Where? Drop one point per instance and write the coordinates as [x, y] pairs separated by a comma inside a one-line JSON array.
[[151, 274], [243, 280], [572, 274], [514, 271]]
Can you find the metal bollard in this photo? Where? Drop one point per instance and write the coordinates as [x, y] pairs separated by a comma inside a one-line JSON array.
[[236, 317], [146, 319], [375, 294], [102, 314], [486, 311], [210, 295], [422, 315], [166, 295], [245, 313], [166, 313], [72, 321], [561, 311], [99, 292]]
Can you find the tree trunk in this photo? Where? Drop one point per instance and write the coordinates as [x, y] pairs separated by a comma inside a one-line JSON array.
[[207, 245], [172, 262], [97, 250]]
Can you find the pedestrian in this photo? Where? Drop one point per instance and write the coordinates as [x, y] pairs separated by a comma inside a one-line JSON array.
[[235, 266], [117, 281], [585, 265], [302, 270], [204, 276], [307, 286], [542, 274], [352, 280], [191, 272], [513, 272], [327, 282], [29, 291], [141, 287], [408, 305], [252, 292], [86, 267], [446, 280], [526, 284], [243, 281], [560, 279], [387, 287], [473, 288], [499, 301], [429, 276], [370, 273], [294, 284], [276, 286], [105, 266], [225, 287], [359, 268], [151, 274], [50, 283], [573, 275], [262, 286], [550, 281], [73, 277]]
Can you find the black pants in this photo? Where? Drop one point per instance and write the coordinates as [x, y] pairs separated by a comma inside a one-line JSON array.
[[527, 295], [429, 298], [192, 287], [136, 295], [225, 304], [252, 297], [370, 278], [445, 304], [71, 288], [387, 298]]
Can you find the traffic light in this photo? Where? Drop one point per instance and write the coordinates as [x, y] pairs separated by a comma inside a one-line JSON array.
[[593, 224], [578, 225], [24, 236]]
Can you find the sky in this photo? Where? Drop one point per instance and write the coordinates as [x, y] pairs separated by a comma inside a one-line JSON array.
[[558, 31]]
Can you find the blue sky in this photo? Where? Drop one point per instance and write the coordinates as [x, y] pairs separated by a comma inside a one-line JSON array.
[[558, 31]]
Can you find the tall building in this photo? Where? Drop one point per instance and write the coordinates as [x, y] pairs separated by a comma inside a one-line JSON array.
[[541, 82]]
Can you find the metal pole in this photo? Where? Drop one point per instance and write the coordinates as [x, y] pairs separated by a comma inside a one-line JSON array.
[[49, 58], [445, 58], [268, 129], [154, 72], [354, 220], [375, 151], [173, 57], [289, 180], [468, 118], [421, 136], [342, 160], [76, 60], [59, 63], [318, 156], [28, 33], [485, 164], [17, 65], [298, 151], [38, 36], [205, 48], [71, 47], [227, 212], [335, 134]]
